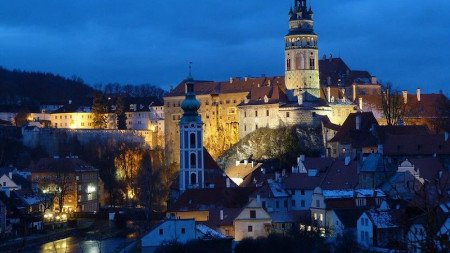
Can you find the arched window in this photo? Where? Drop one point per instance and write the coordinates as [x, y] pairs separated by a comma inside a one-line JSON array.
[[312, 63], [192, 140], [288, 64], [193, 178], [193, 160]]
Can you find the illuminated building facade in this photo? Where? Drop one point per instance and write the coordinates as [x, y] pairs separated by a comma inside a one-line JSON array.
[[72, 177], [301, 53]]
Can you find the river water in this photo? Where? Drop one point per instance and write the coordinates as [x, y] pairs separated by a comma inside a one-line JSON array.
[[78, 245]]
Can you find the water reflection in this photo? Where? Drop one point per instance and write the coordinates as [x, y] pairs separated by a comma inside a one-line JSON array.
[[77, 245]]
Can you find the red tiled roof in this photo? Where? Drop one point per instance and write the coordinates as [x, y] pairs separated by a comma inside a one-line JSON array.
[[427, 107], [340, 176], [212, 198], [333, 175], [408, 145], [357, 138], [335, 68], [235, 86]]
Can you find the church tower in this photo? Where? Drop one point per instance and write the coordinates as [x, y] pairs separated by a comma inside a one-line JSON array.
[[301, 54], [191, 141]]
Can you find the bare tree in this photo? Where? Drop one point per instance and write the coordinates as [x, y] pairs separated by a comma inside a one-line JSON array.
[[392, 105], [59, 186]]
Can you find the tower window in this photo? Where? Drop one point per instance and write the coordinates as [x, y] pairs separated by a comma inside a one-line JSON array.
[[312, 63], [193, 160], [192, 140], [256, 113], [288, 64], [193, 178], [287, 115], [267, 113]]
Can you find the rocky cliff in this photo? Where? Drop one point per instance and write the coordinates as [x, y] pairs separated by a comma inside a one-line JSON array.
[[283, 144]]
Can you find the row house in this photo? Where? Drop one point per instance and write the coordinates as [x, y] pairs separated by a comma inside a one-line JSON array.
[[76, 180]]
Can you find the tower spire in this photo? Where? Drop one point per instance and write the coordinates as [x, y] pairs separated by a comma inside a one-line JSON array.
[[189, 77]]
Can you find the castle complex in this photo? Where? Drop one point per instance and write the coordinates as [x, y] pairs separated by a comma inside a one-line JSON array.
[[232, 109]]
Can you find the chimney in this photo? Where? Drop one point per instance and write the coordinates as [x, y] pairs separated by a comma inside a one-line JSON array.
[[446, 136], [380, 148], [228, 182], [231, 79], [358, 121], [353, 92], [70, 102], [302, 158], [374, 80], [300, 99], [329, 80], [246, 78], [10, 174], [258, 198], [221, 214], [360, 103], [405, 96], [237, 163], [329, 94], [418, 94], [245, 162]]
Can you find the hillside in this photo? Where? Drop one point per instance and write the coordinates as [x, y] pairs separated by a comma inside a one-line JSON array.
[[34, 88], [283, 145]]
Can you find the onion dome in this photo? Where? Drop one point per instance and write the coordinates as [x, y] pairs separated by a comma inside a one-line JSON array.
[[190, 104]]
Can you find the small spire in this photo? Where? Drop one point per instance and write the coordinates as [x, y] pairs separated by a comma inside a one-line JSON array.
[[190, 72]]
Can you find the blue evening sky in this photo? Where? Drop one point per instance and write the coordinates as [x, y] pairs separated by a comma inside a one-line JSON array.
[[403, 41]]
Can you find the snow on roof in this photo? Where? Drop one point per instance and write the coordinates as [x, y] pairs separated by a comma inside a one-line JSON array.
[[209, 232], [341, 194], [382, 219], [445, 207], [32, 200], [337, 194], [277, 189]]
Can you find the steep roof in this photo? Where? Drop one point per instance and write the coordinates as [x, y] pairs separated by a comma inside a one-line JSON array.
[[212, 198], [341, 176], [386, 219], [333, 174], [363, 137], [421, 144], [67, 165], [235, 85], [349, 217], [214, 175]]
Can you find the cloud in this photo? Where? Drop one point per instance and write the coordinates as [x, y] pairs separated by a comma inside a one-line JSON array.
[[152, 41]]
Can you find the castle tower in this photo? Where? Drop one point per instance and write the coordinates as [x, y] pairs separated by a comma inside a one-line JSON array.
[[301, 53], [191, 141]]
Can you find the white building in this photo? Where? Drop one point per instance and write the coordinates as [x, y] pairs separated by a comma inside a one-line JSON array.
[[252, 222], [177, 231]]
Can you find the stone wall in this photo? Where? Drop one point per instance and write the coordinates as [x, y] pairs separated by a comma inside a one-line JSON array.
[[49, 138]]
